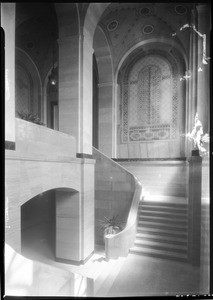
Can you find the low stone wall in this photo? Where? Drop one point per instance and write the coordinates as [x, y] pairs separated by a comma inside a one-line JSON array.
[[40, 141]]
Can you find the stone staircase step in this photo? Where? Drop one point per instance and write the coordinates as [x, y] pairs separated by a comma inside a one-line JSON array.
[[109, 280], [163, 204], [163, 214], [158, 253], [160, 208], [161, 245], [163, 232], [163, 220], [157, 224], [157, 237]]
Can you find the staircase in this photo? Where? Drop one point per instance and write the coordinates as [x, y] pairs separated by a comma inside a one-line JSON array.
[[162, 230]]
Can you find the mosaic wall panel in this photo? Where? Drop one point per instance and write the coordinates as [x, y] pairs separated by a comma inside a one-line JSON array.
[[149, 100]]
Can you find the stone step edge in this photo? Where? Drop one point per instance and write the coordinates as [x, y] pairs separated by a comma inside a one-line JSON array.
[[147, 223], [160, 245], [164, 231], [162, 219], [160, 252], [151, 236]]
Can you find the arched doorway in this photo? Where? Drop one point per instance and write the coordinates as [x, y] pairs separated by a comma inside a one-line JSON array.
[[38, 226], [152, 102], [50, 226]]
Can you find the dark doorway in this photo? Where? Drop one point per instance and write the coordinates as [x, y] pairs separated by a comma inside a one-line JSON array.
[[38, 227]]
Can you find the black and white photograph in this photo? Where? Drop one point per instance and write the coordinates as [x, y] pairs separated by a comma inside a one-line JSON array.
[[107, 134]]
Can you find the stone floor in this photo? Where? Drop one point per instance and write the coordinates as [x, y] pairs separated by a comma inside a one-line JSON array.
[[147, 276], [139, 275]]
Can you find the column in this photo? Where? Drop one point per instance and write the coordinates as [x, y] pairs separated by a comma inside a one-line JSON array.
[[8, 25], [86, 103], [191, 83], [68, 228], [203, 84], [106, 118], [194, 209], [69, 109]]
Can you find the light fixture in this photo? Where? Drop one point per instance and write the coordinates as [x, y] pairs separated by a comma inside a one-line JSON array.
[[53, 76]]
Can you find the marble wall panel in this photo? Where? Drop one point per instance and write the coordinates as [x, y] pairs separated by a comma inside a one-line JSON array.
[[149, 149], [166, 178], [134, 150], [35, 140]]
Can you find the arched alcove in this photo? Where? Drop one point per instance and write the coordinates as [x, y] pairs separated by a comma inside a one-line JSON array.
[[152, 103], [50, 225], [28, 88]]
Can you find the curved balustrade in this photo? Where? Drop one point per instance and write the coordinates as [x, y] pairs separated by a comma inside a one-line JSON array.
[[120, 243], [117, 191]]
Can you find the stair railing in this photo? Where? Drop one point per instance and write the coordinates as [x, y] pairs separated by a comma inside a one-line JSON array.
[[118, 245]]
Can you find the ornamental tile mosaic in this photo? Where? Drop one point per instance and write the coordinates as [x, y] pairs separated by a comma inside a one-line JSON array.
[[149, 100]]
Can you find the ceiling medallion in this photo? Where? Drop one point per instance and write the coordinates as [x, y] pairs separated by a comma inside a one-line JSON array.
[[112, 25], [145, 11], [180, 9], [148, 29]]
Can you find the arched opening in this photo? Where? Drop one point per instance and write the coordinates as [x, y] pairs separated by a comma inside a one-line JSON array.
[[27, 85], [36, 54], [38, 222], [50, 225]]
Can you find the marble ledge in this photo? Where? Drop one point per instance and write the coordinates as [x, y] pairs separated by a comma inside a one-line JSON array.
[[10, 155]]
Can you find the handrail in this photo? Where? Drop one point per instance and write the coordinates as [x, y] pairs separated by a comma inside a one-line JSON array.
[[117, 245]]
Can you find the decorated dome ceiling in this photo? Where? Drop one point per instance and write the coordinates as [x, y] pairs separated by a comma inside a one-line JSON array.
[[126, 24]]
